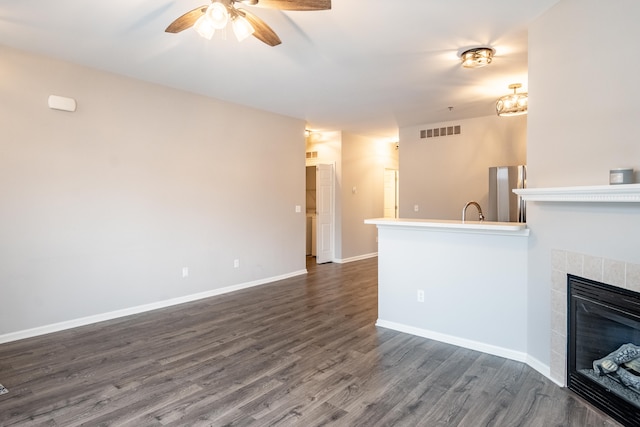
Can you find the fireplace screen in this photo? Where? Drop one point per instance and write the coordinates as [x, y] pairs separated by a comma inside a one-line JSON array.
[[603, 363]]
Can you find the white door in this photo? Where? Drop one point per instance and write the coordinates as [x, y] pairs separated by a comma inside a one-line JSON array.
[[324, 213], [390, 193]]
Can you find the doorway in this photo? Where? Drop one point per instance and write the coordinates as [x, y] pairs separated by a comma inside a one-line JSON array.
[[391, 186], [320, 212]]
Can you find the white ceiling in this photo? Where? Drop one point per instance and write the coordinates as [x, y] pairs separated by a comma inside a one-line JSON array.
[[365, 66]]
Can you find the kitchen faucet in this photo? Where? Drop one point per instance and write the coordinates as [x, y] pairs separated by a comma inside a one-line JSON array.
[[464, 211]]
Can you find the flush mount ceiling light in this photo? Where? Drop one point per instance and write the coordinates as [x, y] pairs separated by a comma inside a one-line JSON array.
[[477, 57], [514, 104]]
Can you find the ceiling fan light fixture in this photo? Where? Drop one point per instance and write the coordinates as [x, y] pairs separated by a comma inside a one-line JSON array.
[[514, 104], [218, 15], [242, 28], [477, 57], [204, 28]]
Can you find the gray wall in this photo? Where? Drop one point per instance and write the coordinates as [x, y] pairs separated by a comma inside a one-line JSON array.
[[441, 174], [583, 121], [102, 208]]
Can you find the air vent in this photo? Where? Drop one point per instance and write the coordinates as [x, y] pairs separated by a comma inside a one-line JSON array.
[[443, 131]]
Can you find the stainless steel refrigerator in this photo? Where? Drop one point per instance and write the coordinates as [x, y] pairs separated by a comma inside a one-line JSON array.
[[504, 204]]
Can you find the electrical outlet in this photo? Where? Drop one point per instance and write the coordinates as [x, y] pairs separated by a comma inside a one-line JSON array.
[[420, 295], [185, 271], [236, 263]]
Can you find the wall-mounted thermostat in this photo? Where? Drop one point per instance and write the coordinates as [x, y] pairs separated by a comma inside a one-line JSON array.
[[62, 103]]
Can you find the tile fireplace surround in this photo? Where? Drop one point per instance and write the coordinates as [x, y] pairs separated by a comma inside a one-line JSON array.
[[615, 273], [610, 271]]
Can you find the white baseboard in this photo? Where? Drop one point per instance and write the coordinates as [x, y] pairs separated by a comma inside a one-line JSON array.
[[355, 258], [74, 323], [542, 368], [518, 356]]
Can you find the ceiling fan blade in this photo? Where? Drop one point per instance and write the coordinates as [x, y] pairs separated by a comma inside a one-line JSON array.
[[187, 20], [294, 4], [262, 32]]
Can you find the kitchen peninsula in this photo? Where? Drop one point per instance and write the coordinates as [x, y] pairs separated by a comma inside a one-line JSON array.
[[463, 283]]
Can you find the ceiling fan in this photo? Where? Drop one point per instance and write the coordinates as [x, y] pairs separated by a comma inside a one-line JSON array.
[[208, 18]]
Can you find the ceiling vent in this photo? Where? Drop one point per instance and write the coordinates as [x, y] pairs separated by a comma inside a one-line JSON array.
[[443, 131]]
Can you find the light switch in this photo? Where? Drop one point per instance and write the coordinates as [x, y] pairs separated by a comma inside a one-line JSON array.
[[298, 208]]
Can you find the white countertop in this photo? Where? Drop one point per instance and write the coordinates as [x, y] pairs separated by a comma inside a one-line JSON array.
[[484, 227]]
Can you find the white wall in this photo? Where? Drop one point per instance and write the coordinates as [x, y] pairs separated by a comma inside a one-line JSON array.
[[474, 284], [102, 208], [441, 174], [583, 118], [583, 121]]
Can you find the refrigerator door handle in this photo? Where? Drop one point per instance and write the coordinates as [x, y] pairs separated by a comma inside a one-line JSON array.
[[522, 183]]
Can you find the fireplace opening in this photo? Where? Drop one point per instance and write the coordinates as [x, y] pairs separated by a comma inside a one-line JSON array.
[[603, 357]]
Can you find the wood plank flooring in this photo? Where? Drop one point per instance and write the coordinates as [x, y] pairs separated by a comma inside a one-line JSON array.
[[300, 352]]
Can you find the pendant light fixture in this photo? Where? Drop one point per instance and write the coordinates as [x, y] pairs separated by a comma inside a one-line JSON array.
[[514, 104], [477, 57]]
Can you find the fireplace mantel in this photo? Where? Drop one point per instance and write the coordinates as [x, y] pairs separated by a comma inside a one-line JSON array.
[[596, 194]]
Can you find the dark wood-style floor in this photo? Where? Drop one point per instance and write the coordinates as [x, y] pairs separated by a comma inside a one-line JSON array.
[[300, 352]]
